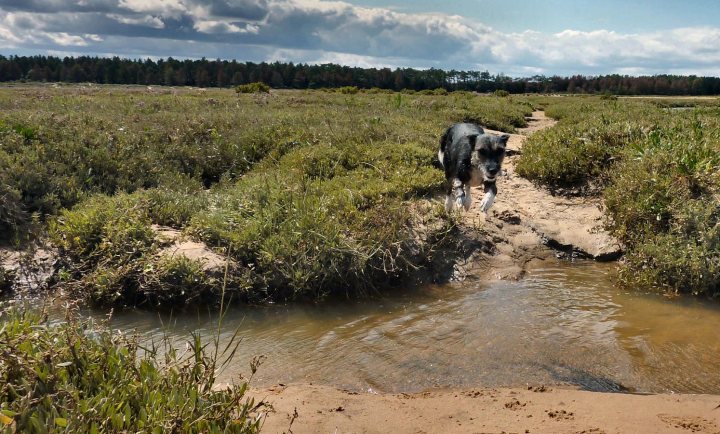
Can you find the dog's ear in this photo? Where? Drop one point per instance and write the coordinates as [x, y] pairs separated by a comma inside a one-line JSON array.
[[504, 139]]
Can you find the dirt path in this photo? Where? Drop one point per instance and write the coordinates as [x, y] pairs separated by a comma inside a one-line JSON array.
[[527, 222], [323, 409]]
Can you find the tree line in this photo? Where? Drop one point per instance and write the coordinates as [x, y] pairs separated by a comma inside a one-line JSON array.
[[224, 73]]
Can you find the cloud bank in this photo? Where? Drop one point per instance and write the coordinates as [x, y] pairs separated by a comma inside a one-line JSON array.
[[315, 31]]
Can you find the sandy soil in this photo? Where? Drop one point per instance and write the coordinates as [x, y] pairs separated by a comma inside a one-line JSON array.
[[178, 245], [322, 409], [528, 222]]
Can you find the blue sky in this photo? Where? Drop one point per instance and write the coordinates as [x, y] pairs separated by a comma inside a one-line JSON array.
[[627, 16], [516, 37]]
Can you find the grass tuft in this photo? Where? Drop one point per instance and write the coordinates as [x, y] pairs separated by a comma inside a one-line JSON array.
[[78, 376]]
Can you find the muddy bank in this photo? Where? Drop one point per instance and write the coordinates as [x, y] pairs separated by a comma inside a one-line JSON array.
[[528, 410], [529, 223], [32, 268]]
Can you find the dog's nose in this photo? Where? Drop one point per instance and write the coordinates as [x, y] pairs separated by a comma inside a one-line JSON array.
[[493, 171]]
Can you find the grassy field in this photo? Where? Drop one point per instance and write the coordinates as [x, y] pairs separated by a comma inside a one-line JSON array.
[[308, 193], [658, 170]]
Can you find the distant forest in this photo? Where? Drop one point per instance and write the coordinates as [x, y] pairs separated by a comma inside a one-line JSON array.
[[223, 73]]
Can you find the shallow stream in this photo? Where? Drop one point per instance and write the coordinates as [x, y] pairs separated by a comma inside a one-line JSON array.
[[565, 323]]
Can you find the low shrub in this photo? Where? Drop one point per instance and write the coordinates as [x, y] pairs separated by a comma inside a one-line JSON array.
[[103, 229], [501, 93], [171, 280], [333, 222], [257, 87], [377, 90], [78, 376], [664, 205], [586, 142], [348, 90], [12, 212], [659, 173], [567, 155], [238, 173], [175, 201]]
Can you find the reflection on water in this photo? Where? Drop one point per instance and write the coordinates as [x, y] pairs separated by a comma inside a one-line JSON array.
[[564, 324]]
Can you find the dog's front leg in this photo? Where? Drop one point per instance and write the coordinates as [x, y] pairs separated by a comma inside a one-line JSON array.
[[489, 198], [456, 196]]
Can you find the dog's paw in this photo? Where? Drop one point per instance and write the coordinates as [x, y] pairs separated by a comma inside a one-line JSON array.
[[487, 202]]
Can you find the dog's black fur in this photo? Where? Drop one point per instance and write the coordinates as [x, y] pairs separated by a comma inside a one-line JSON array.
[[471, 157]]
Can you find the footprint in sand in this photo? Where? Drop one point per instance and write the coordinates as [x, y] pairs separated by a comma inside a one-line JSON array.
[[693, 424]]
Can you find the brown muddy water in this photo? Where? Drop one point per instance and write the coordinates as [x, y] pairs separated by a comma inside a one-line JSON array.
[[564, 324]]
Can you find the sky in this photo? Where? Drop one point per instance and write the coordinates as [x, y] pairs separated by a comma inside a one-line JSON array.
[[514, 37]]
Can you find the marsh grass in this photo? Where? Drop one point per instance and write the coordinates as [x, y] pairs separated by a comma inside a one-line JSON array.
[[78, 376], [658, 173], [257, 87], [588, 139], [314, 190]]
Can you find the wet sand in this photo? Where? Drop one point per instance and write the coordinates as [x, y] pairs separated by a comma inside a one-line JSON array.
[[322, 409]]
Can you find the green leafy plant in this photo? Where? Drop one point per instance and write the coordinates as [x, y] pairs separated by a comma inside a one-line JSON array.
[[257, 87], [78, 376]]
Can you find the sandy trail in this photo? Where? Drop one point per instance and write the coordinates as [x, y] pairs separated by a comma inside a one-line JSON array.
[[324, 409], [527, 222]]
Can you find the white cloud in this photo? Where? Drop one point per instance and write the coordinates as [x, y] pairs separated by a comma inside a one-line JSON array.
[[94, 38], [166, 8], [141, 20], [335, 31], [64, 39], [213, 26]]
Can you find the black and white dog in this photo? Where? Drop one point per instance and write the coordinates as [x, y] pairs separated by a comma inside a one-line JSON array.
[[471, 157]]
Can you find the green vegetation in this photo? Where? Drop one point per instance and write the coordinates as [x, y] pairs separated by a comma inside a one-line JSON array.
[[305, 193], [313, 193], [589, 137], [348, 90], [257, 87], [78, 376], [222, 73], [658, 170]]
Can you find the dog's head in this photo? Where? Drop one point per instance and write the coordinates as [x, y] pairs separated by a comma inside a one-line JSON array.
[[490, 151]]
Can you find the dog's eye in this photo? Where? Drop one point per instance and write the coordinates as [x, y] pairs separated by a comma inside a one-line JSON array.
[[483, 152]]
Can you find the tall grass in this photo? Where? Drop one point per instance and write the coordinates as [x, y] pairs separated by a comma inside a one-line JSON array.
[[78, 376], [313, 190], [586, 142], [60, 145], [658, 170]]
